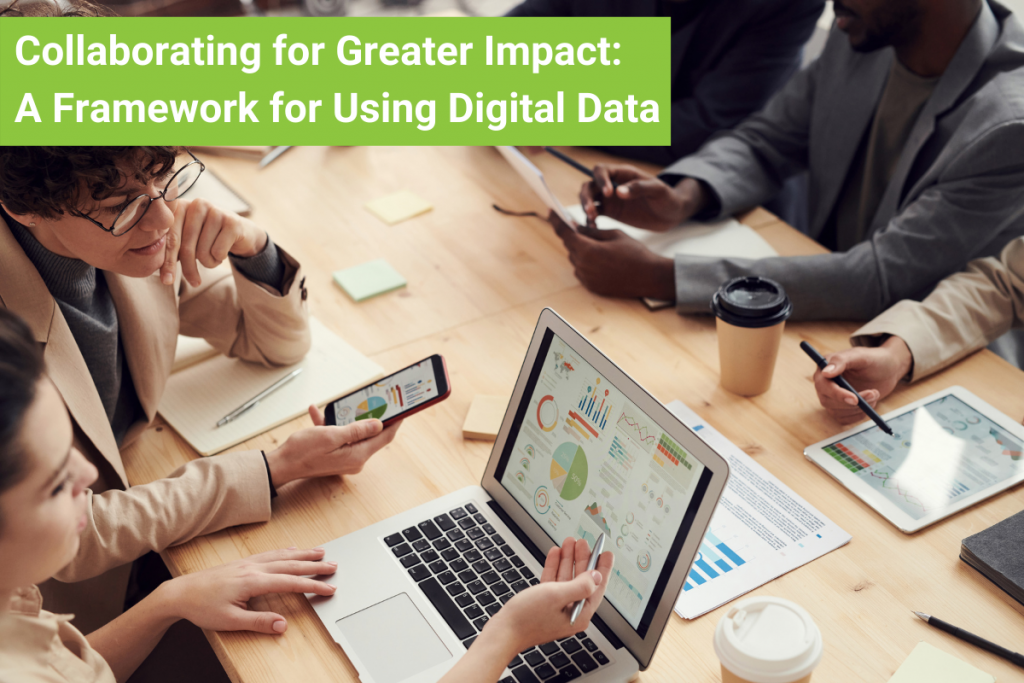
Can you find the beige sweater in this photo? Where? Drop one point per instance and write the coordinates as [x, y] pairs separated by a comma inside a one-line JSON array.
[[965, 313]]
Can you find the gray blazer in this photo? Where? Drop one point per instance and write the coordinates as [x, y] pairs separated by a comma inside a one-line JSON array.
[[957, 193]]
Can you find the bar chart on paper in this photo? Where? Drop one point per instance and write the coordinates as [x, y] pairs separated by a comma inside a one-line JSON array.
[[715, 558]]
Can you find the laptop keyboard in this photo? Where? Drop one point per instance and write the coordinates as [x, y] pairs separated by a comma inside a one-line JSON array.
[[468, 571]]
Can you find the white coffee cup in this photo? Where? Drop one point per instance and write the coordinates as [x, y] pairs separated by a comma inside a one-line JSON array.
[[767, 640]]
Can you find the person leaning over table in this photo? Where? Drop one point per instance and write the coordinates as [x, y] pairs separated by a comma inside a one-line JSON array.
[[108, 265], [911, 127], [728, 57], [49, 517], [914, 339]]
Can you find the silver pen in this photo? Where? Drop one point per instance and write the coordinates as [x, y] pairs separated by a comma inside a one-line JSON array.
[[273, 154], [598, 548], [251, 403]]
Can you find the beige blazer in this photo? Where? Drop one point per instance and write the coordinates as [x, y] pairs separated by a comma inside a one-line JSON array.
[[208, 495], [965, 313], [239, 317]]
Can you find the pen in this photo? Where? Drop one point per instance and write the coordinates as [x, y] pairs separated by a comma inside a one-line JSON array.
[[861, 403], [273, 154], [997, 650], [569, 160], [598, 548], [251, 403]]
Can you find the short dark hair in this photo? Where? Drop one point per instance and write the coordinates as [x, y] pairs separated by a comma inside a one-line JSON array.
[[45, 180], [21, 368]]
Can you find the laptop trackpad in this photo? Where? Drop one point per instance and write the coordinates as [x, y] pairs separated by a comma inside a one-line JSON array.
[[393, 640]]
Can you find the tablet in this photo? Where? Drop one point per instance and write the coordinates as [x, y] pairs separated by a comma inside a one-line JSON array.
[[950, 451]]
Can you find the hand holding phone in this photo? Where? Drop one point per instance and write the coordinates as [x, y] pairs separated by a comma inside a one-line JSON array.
[[395, 397]]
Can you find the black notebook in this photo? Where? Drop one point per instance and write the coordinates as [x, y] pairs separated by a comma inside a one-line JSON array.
[[998, 553]]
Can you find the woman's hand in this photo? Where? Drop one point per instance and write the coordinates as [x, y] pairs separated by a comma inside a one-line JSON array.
[[541, 613], [202, 232], [629, 195], [216, 599], [324, 451], [873, 372]]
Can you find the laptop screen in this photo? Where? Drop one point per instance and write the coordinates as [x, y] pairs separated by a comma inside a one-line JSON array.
[[582, 460]]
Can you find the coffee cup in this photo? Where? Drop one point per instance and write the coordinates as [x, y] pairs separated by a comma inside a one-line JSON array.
[[750, 314], [768, 640]]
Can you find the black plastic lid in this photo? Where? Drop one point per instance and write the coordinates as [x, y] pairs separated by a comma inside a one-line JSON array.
[[751, 302]]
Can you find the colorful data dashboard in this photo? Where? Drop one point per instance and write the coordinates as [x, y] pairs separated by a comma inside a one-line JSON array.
[[940, 453], [389, 397], [587, 461]]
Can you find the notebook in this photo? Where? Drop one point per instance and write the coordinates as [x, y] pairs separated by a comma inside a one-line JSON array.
[[929, 664], [204, 391], [998, 553], [722, 239]]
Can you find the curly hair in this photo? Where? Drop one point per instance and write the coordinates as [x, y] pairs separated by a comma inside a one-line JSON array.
[[47, 181], [52, 8]]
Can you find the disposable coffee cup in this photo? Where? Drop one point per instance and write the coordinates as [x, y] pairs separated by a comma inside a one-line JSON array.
[[768, 640], [751, 313]]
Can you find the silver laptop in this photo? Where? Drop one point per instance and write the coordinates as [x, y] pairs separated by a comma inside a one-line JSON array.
[[582, 450]]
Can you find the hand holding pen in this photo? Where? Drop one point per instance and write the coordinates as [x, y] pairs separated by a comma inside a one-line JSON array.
[[860, 403], [874, 371]]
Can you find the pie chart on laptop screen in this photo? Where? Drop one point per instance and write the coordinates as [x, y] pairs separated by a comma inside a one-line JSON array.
[[372, 407], [569, 470]]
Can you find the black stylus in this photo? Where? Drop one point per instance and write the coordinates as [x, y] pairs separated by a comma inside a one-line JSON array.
[[569, 160], [861, 403], [997, 650]]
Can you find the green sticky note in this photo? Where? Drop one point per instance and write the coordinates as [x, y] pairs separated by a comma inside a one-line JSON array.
[[369, 279]]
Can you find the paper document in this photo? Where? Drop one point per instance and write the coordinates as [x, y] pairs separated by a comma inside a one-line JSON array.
[[535, 179], [201, 394], [191, 350], [761, 529], [722, 239], [929, 664]]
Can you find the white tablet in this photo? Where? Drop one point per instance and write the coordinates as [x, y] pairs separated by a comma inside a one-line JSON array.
[[950, 451]]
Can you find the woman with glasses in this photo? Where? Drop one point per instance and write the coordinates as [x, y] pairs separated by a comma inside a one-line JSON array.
[[48, 517], [107, 258]]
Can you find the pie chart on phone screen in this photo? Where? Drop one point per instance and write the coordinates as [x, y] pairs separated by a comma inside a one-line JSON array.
[[372, 407]]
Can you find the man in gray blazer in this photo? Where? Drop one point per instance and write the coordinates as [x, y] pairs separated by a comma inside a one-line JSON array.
[[912, 129]]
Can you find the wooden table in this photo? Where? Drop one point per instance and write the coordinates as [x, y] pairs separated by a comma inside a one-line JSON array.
[[477, 282]]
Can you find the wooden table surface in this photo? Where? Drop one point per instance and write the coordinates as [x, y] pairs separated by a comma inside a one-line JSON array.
[[477, 283]]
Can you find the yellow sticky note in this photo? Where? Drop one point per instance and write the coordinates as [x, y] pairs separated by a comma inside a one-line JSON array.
[[397, 207], [484, 418], [929, 664]]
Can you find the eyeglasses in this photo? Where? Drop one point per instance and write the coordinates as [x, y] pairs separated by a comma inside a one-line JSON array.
[[181, 182]]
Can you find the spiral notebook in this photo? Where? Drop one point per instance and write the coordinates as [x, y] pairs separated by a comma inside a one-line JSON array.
[[206, 386]]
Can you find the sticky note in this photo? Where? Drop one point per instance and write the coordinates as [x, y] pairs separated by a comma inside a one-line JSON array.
[[929, 664], [484, 418], [369, 279], [397, 207]]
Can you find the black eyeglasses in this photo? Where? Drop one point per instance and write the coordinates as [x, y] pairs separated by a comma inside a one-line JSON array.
[[181, 182]]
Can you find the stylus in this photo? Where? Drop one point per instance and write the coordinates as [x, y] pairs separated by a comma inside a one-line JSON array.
[[569, 160], [841, 381], [598, 549], [997, 650], [251, 403]]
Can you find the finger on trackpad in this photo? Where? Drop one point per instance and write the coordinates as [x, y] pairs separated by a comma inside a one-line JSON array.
[[393, 640]]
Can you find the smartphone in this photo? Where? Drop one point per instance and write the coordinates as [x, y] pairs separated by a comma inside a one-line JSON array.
[[408, 391]]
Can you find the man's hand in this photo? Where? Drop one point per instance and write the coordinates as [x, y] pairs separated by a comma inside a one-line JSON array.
[[217, 599], [324, 451], [629, 195], [873, 372], [201, 232], [611, 263]]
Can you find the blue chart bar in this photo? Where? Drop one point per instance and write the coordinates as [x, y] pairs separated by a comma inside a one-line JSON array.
[[706, 568], [724, 549], [696, 578], [687, 586], [724, 565]]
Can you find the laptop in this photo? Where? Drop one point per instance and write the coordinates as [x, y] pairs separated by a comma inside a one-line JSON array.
[[582, 450]]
